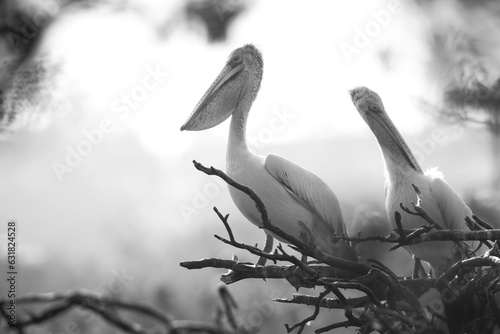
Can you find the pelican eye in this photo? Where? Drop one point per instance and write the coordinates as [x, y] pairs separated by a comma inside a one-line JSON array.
[[374, 108], [236, 59]]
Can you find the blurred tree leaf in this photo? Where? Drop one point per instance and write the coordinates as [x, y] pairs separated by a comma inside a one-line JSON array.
[[463, 53], [216, 15]]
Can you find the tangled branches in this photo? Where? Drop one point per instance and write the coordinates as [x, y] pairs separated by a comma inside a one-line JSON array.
[[390, 304], [117, 313]]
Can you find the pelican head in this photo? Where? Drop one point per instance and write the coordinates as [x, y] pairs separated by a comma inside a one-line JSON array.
[[237, 84], [370, 107]]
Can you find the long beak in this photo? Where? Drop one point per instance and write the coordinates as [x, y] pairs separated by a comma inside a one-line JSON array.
[[400, 144], [217, 104], [396, 142], [388, 136]]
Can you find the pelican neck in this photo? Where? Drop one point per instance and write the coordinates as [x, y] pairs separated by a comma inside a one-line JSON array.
[[237, 130]]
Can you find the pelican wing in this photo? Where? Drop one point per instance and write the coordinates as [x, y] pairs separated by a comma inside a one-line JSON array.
[[309, 190], [452, 207]]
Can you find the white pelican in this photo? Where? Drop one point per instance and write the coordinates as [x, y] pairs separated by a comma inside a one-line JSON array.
[[367, 223], [291, 193], [401, 171]]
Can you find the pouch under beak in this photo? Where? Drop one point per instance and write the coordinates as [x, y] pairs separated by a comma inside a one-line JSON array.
[[219, 102]]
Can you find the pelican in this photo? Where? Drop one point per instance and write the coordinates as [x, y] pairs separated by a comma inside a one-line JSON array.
[[292, 194], [368, 222], [401, 171]]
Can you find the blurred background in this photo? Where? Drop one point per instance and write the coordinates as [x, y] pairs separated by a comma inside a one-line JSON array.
[[98, 176]]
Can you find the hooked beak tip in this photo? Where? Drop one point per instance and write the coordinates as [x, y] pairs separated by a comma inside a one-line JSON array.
[[354, 93]]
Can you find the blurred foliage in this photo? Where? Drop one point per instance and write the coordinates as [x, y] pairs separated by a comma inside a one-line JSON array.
[[463, 59], [216, 15]]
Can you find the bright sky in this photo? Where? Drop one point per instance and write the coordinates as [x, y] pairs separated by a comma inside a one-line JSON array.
[[305, 71]]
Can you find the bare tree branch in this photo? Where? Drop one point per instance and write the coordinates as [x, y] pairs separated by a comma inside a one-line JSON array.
[[107, 308], [243, 270], [442, 235], [329, 303]]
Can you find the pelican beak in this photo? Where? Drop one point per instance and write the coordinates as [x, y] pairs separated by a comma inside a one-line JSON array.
[[219, 102]]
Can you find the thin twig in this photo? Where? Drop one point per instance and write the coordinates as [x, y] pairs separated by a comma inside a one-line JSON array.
[[328, 328], [330, 303], [352, 285], [302, 324], [229, 305], [482, 222]]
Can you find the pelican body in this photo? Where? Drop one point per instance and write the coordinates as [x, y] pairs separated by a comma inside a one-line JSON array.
[[368, 222], [291, 193], [401, 171]]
